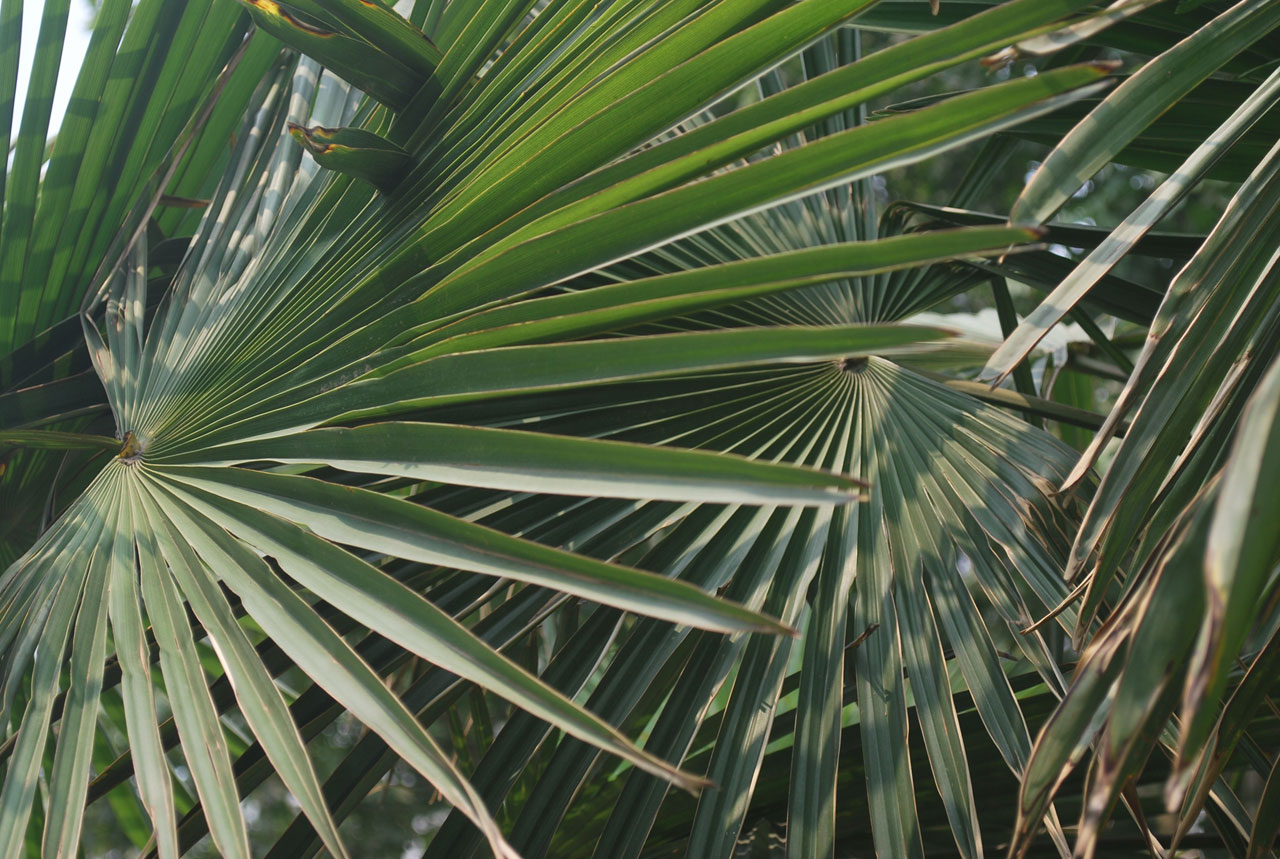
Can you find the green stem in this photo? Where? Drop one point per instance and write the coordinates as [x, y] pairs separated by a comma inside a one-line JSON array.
[[1059, 412], [1022, 378]]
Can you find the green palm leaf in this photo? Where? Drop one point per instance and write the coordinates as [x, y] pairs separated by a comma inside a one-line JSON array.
[[254, 338]]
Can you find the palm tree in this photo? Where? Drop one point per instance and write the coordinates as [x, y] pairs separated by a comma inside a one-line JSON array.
[[578, 298]]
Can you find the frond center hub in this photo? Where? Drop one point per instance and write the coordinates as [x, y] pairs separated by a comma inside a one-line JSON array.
[[131, 452]]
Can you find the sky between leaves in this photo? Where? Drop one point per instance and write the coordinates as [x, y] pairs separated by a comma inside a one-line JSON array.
[[77, 43]]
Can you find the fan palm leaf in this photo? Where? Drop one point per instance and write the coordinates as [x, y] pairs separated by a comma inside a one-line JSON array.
[[133, 119], [820, 415]]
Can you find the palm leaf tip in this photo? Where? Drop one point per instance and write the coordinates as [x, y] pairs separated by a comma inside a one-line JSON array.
[[356, 152]]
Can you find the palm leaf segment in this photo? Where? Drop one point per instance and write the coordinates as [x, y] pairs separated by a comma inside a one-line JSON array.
[[308, 298]]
